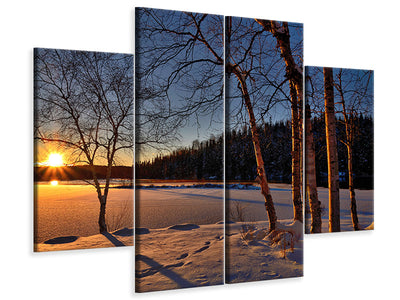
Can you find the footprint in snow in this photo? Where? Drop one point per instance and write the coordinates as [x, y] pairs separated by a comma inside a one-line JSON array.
[[184, 255], [268, 272], [202, 280], [201, 249]]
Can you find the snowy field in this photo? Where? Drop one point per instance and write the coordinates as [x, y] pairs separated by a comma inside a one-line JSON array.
[[252, 204], [180, 238], [365, 209], [255, 255], [73, 210], [180, 234], [118, 238], [251, 253], [181, 256]]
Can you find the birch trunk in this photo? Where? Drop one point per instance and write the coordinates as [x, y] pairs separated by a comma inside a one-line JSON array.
[[269, 204], [333, 165], [353, 203], [295, 75], [349, 146], [296, 170], [311, 178]]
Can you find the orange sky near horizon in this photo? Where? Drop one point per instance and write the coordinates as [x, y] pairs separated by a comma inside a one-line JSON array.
[[44, 150]]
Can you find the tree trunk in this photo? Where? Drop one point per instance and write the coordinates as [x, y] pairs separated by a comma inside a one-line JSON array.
[[102, 200], [311, 178], [295, 75], [353, 203], [349, 146], [296, 173], [333, 165], [102, 215], [269, 204]]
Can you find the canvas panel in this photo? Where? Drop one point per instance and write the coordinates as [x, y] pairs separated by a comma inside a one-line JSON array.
[[179, 150], [264, 231], [340, 191], [83, 144]]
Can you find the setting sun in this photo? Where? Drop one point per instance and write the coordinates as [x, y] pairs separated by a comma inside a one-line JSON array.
[[54, 182], [55, 160]]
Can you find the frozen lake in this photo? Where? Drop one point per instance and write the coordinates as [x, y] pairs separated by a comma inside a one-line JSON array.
[[73, 209], [163, 207]]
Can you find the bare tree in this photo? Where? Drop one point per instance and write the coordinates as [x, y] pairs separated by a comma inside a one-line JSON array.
[[265, 82], [84, 102], [185, 52], [179, 75], [294, 74]]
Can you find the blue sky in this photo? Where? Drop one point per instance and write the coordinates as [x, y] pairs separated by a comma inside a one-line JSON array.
[[181, 73], [358, 86]]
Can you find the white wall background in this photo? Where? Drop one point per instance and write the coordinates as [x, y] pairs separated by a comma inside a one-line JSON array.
[[357, 34]]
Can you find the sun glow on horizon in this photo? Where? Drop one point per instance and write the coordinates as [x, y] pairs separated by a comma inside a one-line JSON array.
[[54, 182], [55, 160]]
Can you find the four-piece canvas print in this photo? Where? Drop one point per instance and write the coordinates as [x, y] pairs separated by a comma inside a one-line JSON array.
[[205, 150]]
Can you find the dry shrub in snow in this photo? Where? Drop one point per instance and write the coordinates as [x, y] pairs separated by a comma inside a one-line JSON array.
[[284, 239], [247, 232], [120, 217], [237, 211]]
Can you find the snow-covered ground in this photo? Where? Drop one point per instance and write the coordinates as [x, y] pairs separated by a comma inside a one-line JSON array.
[[179, 238], [181, 256], [365, 209], [252, 202], [253, 256], [73, 210], [256, 255], [118, 238]]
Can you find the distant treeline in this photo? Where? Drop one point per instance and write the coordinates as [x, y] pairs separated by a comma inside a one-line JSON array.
[[363, 151], [80, 173], [275, 139], [202, 160]]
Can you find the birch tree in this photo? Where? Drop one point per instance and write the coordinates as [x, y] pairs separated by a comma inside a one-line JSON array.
[[311, 178], [261, 86], [294, 74], [262, 75], [310, 158]]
